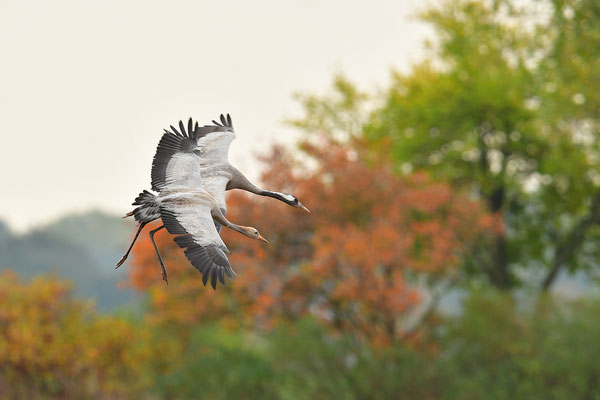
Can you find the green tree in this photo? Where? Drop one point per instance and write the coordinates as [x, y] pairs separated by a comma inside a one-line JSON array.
[[506, 106], [572, 110], [503, 349]]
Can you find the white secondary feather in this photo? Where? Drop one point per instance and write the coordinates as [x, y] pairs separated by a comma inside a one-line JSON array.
[[184, 170], [215, 145], [198, 221], [193, 212], [215, 185]]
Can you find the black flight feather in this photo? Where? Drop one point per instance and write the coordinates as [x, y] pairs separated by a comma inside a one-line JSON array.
[[191, 131], [210, 260], [204, 278], [170, 144], [182, 128]]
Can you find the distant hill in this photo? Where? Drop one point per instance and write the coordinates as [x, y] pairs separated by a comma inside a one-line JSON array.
[[83, 248]]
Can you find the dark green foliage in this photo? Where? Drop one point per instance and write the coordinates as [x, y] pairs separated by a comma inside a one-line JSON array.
[[497, 349], [313, 364], [294, 362], [219, 365]]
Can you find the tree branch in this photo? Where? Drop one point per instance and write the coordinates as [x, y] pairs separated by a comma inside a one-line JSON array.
[[436, 297], [572, 242]]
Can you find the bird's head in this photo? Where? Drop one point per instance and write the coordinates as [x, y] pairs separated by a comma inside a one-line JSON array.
[[253, 233], [290, 200]]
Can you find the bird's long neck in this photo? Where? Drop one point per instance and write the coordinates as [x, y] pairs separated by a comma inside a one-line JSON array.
[[237, 228], [250, 187], [239, 181], [220, 218], [244, 230], [275, 195]]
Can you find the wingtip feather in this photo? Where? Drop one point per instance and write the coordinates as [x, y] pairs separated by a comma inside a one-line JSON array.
[[182, 128], [191, 128]]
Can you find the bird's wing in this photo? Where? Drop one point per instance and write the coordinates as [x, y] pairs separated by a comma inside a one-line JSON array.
[[215, 184], [196, 233], [177, 159], [214, 140]]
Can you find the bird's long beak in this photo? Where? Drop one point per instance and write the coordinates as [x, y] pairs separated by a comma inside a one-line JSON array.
[[262, 238], [300, 205]]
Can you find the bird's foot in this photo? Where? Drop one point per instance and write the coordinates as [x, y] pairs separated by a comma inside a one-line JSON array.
[[121, 261]]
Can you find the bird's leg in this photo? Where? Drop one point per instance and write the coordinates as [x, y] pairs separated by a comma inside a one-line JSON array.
[[122, 260], [162, 265]]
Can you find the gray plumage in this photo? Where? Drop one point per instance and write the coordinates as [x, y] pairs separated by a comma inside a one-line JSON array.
[[187, 210], [191, 172]]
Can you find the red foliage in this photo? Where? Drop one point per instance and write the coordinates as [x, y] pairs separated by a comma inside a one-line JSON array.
[[347, 262]]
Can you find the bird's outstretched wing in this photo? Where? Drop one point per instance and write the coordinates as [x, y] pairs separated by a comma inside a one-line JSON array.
[[196, 233], [176, 162], [180, 152], [214, 140]]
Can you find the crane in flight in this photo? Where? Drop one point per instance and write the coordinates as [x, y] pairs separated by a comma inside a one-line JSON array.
[[191, 173]]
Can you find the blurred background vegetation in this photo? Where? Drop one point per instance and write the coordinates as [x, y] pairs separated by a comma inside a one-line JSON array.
[[452, 251]]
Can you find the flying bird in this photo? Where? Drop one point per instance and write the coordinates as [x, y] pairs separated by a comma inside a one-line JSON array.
[[220, 175], [210, 144], [187, 210]]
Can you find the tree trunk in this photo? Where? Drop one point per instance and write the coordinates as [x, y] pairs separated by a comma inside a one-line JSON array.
[[572, 242], [500, 277], [499, 273]]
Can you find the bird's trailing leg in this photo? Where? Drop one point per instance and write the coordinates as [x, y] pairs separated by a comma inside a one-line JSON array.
[[122, 260], [162, 265]]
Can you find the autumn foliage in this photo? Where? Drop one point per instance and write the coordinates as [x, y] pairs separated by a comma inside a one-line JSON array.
[[353, 262], [498, 124], [54, 346]]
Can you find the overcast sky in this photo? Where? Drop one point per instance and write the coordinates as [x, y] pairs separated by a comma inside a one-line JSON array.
[[87, 86]]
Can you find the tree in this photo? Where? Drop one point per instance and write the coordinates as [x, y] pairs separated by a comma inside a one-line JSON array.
[[505, 107], [571, 106], [355, 262], [54, 346]]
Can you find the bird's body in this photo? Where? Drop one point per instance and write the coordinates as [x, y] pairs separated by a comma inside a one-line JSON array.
[[190, 173], [217, 175]]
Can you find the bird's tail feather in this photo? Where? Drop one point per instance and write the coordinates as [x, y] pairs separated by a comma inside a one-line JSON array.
[[148, 209], [144, 198]]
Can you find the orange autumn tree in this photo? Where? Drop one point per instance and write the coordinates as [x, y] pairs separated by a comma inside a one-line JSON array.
[[52, 346], [352, 263]]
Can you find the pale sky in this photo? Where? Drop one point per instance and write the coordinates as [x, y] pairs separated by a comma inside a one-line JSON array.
[[87, 86]]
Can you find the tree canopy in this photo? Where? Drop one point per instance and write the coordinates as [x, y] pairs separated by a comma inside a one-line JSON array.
[[358, 263], [506, 107]]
